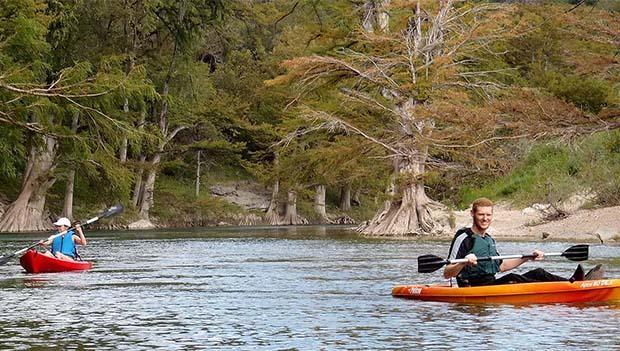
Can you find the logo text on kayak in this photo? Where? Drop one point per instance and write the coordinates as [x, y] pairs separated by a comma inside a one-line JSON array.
[[593, 283]]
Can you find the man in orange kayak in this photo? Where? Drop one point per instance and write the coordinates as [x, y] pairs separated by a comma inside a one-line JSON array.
[[64, 242], [474, 242]]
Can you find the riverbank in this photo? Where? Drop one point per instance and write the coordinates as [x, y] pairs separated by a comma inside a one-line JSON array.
[[599, 225], [585, 225]]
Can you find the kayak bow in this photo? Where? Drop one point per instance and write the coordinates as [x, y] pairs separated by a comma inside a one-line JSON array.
[[543, 292], [35, 262]]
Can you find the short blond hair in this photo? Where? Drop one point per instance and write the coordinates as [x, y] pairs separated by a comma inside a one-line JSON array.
[[481, 202]]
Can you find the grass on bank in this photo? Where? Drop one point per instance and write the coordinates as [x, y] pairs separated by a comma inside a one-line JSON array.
[[177, 205], [554, 172]]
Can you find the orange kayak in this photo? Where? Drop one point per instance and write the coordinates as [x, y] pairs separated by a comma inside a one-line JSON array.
[[544, 292], [35, 262]]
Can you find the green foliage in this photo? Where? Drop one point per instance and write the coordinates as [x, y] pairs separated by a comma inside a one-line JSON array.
[[177, 205], [22, 31], [528, 182], [560, 54], [551, 172], [13, 153], [610, 5], [587, 93], [600, 157]]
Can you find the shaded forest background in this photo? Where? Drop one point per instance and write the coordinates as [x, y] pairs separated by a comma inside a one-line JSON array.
[[378, 112]]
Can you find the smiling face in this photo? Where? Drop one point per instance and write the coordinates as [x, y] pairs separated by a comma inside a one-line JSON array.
[[482, 217]]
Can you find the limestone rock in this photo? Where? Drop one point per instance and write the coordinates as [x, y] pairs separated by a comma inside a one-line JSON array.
[[249, 196], [576, 201], [141, 224], [606, 234]]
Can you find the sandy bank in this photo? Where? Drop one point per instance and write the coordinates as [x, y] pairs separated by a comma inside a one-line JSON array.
[[593, 225]]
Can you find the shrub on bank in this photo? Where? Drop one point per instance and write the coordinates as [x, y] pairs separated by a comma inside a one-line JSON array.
[[554, 172]]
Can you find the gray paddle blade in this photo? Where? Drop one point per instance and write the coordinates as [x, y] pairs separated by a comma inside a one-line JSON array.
[[116, 209], [5, 259]]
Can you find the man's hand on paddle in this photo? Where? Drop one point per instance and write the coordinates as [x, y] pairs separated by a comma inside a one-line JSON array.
[[472, 260], [539, 255]]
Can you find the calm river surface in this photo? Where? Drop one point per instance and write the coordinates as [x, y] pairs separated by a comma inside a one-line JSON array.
[[311, 288]]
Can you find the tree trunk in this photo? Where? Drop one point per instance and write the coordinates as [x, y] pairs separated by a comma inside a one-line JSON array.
[[409, 209], [136, 198], [123, 152], [290, 215], [148, 188], [345, 198], [319, 204], [197, 189], [272, 217], [67, 209], [124, 143], [137, 187], [146, 199], [26, 213], [131, 34], [356, 198], [376, 16]]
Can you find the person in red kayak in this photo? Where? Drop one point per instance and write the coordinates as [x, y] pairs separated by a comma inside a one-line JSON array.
[[474, 242], [64, 242]]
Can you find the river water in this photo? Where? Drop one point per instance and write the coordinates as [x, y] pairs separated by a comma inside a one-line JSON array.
[[311, 288]]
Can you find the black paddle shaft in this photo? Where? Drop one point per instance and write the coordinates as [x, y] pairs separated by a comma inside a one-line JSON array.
[[431, 263]]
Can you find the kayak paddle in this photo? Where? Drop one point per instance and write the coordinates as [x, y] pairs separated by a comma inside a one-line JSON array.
[[116, 209], [431, 263]]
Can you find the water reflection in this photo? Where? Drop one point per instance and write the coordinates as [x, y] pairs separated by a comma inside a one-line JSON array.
[[305, 288], [34, 282], [473, 310]]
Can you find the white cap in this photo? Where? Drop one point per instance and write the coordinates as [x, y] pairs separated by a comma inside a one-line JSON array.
[[63, 221]]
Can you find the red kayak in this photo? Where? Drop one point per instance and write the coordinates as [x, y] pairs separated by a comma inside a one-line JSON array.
[[36, 262]]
